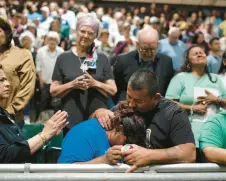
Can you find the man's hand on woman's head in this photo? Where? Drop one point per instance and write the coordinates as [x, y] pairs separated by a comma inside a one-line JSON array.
[[104, 117]]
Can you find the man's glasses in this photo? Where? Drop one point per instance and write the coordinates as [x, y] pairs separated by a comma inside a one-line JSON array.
[[147, 50]]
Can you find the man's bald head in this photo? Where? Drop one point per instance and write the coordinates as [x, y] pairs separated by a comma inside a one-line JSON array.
[[148, 35], [147, 44], [173, 35]]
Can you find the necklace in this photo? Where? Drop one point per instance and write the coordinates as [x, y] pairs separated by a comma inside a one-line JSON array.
[[84, 65]]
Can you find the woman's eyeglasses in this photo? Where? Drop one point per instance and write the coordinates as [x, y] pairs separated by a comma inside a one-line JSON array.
[[89, 33]]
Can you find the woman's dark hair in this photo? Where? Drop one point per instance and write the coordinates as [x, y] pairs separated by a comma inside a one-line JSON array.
[[187, 65], [133, 125], [195, 38], [5, 26], [55, 20], [222, 69]]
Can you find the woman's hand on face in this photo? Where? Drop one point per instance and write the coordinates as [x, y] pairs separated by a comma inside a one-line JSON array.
[[55, 124], [89, 80], [200, 108], [208, 99], [78, 83]]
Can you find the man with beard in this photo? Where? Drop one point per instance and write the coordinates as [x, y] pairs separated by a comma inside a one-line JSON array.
[[19, 68]]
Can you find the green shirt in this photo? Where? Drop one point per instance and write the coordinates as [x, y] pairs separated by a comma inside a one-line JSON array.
[[213, 132], [183, 87]]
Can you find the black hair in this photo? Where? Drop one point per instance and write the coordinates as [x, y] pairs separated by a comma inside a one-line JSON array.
[[57, 20], [213, 39], [134, 129], [195, 38], [5, 26], [222, 69], [133, 125], [187, 65], [144, 79]]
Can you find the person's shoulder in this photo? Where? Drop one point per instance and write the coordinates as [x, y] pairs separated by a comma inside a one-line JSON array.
[[125, 59], [65, 54], [21, 54], [101, 55], [164, 41], [210, 57], [169, 108], [70, 12], [126, 56], [42, 49], [92, 121], [181, 77], [215, 122], [219, 118], [85, 125], [59, 49], [18, 50], [168, 104], [163, 56], [181, 74], [181, 43]]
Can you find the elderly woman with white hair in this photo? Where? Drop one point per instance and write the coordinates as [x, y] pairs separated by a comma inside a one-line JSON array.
[[82, 76], [27, 40], [45, 62]]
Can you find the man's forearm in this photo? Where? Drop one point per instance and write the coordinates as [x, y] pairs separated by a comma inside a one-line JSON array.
[[185, 153]]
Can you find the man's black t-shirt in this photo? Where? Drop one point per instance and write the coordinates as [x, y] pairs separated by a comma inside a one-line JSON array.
[[78, 103], [167, 126]]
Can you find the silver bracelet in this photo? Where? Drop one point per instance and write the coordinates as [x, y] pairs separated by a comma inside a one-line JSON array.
[[191, 110]]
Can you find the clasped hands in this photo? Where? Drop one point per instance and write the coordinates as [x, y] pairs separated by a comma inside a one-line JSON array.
[[203, 102], [136, 157], [84, 82]]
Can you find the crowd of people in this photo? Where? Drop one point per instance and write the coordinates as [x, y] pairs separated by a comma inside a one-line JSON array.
[[154, 78]]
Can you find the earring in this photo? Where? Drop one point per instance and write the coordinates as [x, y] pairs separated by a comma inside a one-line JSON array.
[[188, 66]]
